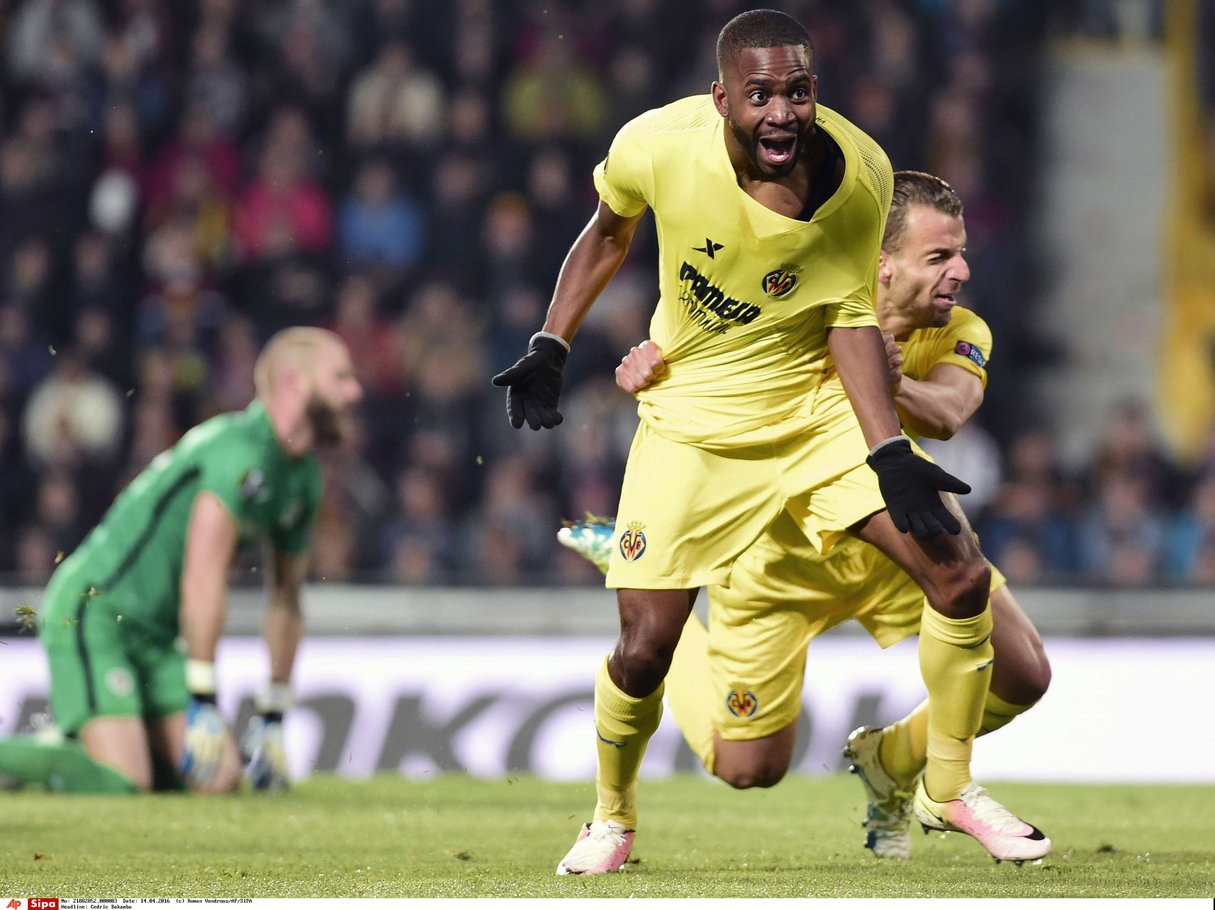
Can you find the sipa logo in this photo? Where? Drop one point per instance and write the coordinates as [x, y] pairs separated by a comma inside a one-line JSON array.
[[44, 903]]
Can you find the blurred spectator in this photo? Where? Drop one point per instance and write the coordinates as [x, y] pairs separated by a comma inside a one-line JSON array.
[[74, 415], [24, 350], [198, 145], [510, 540], [27, 194], [53, 41], [553, 94], [380, 226], [1029, 526], [457, 209], [419, 542], [394, 102], [284, 210], [1189, 554], [36, 556], [371, 337], [1131, 450], [230, 375], [1122, 533], [178, 183], [216, 84]]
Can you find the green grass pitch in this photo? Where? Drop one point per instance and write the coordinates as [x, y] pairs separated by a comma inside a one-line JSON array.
[[454, 836]]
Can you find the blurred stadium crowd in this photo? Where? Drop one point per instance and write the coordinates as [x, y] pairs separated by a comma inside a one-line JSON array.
[[180, 179]]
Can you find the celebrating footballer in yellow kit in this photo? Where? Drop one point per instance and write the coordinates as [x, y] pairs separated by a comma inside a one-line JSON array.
[[770, 212], [735, 688]]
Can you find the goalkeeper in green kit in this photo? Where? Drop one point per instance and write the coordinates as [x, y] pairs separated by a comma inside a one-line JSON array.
[[130, 621]]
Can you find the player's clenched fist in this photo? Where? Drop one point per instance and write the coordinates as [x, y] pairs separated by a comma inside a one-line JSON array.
[[640, 367], [894, 361]]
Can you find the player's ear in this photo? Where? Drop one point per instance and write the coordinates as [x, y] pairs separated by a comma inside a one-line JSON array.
[[884, 269], [720, 101]]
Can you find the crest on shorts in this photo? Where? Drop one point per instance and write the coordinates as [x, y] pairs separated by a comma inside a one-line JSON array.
[[741, 702], [119, 681], [632, 541], [779, 282]]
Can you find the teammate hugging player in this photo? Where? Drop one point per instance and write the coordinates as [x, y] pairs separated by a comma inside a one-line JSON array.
[[782, 592], [777, 400]]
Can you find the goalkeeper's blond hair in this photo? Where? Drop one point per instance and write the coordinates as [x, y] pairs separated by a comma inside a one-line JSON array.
[[293, 348]]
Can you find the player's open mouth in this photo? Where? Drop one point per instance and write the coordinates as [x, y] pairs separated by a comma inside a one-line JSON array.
[[778, 149]]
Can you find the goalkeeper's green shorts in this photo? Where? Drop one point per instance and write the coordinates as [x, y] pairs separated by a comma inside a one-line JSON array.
[[102, 666]]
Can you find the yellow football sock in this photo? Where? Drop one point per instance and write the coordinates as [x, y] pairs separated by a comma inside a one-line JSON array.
[[955, 661], [904, 745], [690, 691], [997, 712], [624, 725]]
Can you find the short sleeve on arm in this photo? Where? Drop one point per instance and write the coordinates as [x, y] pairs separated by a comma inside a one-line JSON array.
[[850, 314], [970, 346], [233, 475], [625, 178]]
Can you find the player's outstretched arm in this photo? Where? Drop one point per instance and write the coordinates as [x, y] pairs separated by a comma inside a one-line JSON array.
[[911, 486], [534, 383]]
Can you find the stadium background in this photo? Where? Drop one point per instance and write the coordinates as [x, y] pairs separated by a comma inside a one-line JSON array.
[[179, 180]]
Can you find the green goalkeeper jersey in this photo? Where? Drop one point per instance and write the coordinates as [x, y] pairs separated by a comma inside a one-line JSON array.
[[131, 563]]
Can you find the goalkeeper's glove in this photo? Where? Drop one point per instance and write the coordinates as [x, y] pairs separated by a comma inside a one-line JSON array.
[[911, 487], [262, 746], [206, 733], [534, 382]]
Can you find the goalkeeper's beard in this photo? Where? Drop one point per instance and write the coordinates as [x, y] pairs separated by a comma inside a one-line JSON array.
[[327, 422]]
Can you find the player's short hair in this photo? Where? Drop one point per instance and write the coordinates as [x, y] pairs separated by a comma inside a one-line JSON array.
[[293, 347], [760, 28], [917, 188]]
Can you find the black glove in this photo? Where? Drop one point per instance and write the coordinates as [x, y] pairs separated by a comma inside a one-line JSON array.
[[535, 384], [911, 487]]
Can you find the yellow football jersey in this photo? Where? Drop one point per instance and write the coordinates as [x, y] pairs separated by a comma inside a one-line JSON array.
[[964, 341], [745, 294]]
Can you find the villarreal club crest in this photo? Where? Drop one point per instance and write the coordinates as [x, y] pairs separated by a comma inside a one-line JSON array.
[[632, 541]]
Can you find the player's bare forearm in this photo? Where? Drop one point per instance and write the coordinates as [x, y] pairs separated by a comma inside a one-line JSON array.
[[284, 625], [938, 405], [210, 544], [591, 263], [860, 358]]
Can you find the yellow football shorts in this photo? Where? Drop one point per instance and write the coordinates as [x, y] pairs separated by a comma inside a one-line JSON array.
[[688, 512], [781, 594]]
